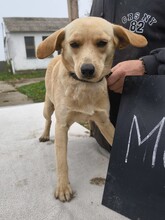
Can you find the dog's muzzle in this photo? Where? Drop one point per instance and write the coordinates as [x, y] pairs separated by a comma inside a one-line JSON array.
[[87, 70]]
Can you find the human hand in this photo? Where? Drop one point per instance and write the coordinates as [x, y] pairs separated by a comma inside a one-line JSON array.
[[126, 68]]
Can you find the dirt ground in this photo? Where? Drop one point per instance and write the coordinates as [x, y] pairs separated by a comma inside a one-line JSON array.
[[9, 95]]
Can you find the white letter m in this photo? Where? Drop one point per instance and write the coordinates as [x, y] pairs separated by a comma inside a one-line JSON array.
[[160, 125]]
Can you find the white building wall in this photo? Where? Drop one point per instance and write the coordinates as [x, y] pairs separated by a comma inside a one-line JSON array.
[[2, 53], [17, 51]]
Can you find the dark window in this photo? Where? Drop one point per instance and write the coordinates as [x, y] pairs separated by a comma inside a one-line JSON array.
[[30, 47], [44, 37]]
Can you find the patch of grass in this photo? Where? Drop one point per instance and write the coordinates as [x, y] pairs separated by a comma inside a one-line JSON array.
[[85, 124], [22, 75], [35, 91]]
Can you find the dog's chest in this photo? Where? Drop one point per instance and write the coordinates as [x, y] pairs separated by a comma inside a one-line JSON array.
[[86, 100]]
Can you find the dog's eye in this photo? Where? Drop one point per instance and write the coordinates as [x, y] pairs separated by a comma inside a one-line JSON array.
[[75, 45], [101, 43]]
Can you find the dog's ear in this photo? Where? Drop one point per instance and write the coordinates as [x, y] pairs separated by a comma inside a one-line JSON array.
[[124, 37], [50, 44]]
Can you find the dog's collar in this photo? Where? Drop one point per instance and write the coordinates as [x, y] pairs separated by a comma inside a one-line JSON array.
[[74, 76]]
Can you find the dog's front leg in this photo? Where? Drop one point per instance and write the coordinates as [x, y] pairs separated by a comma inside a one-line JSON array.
[[107, 129], [63, 191]]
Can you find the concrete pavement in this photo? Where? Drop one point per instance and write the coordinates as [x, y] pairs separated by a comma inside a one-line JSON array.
[[9, 94], [27, 170]]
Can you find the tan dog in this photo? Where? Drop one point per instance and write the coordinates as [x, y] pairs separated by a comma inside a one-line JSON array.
[[76, 86]]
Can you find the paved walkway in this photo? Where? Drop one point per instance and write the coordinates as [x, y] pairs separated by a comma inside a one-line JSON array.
[[9, 94], [27, 167], [28, 170]]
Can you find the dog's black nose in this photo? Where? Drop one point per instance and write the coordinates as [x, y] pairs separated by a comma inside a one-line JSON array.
[[87, 70]]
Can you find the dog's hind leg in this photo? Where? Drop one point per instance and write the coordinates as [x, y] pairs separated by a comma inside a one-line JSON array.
[[48, 111]]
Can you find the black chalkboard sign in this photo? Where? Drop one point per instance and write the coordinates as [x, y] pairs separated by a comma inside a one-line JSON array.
[[135, 184]]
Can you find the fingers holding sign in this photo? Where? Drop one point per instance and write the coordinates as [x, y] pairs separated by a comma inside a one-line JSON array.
[[126, 68]]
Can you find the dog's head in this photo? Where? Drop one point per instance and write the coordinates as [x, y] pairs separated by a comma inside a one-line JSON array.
[[88, 45]]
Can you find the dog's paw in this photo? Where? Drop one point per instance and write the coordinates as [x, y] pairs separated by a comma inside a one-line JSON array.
[[64, 193], [44, 138]]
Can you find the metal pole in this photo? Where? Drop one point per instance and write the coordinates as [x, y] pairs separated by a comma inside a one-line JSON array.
[[73, 9]]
